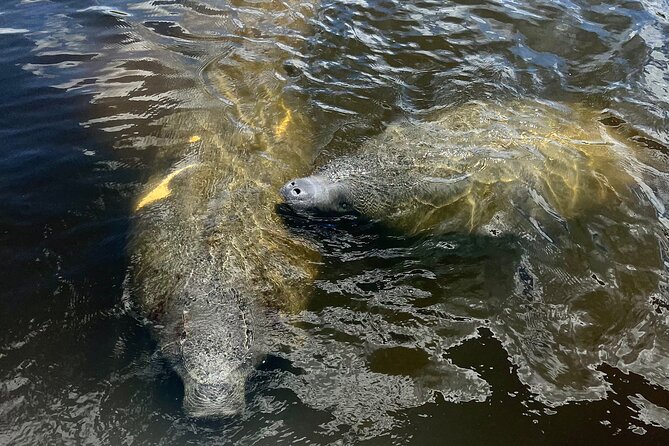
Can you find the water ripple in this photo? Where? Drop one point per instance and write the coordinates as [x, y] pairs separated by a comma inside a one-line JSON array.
[[405, 338]]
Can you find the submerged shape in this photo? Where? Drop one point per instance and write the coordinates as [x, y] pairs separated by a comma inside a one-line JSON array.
[[210, 259], [471, 167], [577, 235]]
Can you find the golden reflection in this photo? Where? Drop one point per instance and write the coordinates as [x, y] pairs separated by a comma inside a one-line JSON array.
[[280, 129], [162, 190]]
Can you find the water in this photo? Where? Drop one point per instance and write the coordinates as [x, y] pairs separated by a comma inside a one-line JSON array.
[[400, 339]]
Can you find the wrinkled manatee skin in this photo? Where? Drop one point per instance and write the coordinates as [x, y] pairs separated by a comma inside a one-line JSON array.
[[469, 166], [205, 326], [211, 264]]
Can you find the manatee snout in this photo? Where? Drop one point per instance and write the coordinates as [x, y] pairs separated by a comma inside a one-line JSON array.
[[216, 399], [316, 194], [304, 193]]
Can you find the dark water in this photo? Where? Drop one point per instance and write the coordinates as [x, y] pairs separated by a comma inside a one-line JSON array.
[[402, 338]]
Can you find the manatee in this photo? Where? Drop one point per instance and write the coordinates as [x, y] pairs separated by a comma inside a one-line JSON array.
[[211, 260], [212, 265], [471, 167]]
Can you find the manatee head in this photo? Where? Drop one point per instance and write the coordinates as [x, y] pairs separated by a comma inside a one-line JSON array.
[[363, 185], [317, 194], [217, 349]]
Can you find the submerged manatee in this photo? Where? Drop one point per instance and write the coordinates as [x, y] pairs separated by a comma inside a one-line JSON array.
[[210, 260], [471, 167], [585, 235]]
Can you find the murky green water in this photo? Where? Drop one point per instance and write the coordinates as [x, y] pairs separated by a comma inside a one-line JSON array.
[[376, 335]]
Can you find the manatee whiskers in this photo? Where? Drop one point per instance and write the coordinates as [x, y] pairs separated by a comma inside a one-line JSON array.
[[216, 399]]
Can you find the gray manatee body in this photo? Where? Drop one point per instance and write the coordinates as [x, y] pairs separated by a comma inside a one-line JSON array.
[[474, 166], [210, 259]]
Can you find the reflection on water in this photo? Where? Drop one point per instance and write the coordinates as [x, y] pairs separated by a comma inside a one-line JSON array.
[[402, 337]]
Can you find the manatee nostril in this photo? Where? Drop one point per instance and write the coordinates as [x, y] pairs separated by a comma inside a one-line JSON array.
[[297, 191], [292, 183]]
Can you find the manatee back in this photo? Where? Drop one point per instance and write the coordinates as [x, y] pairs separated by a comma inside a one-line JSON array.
[[469, 166]]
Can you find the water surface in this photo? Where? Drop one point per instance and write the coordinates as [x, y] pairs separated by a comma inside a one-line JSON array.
[[399, 341]]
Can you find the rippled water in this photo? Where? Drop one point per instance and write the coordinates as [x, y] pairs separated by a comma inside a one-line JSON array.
[[401, 337]]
